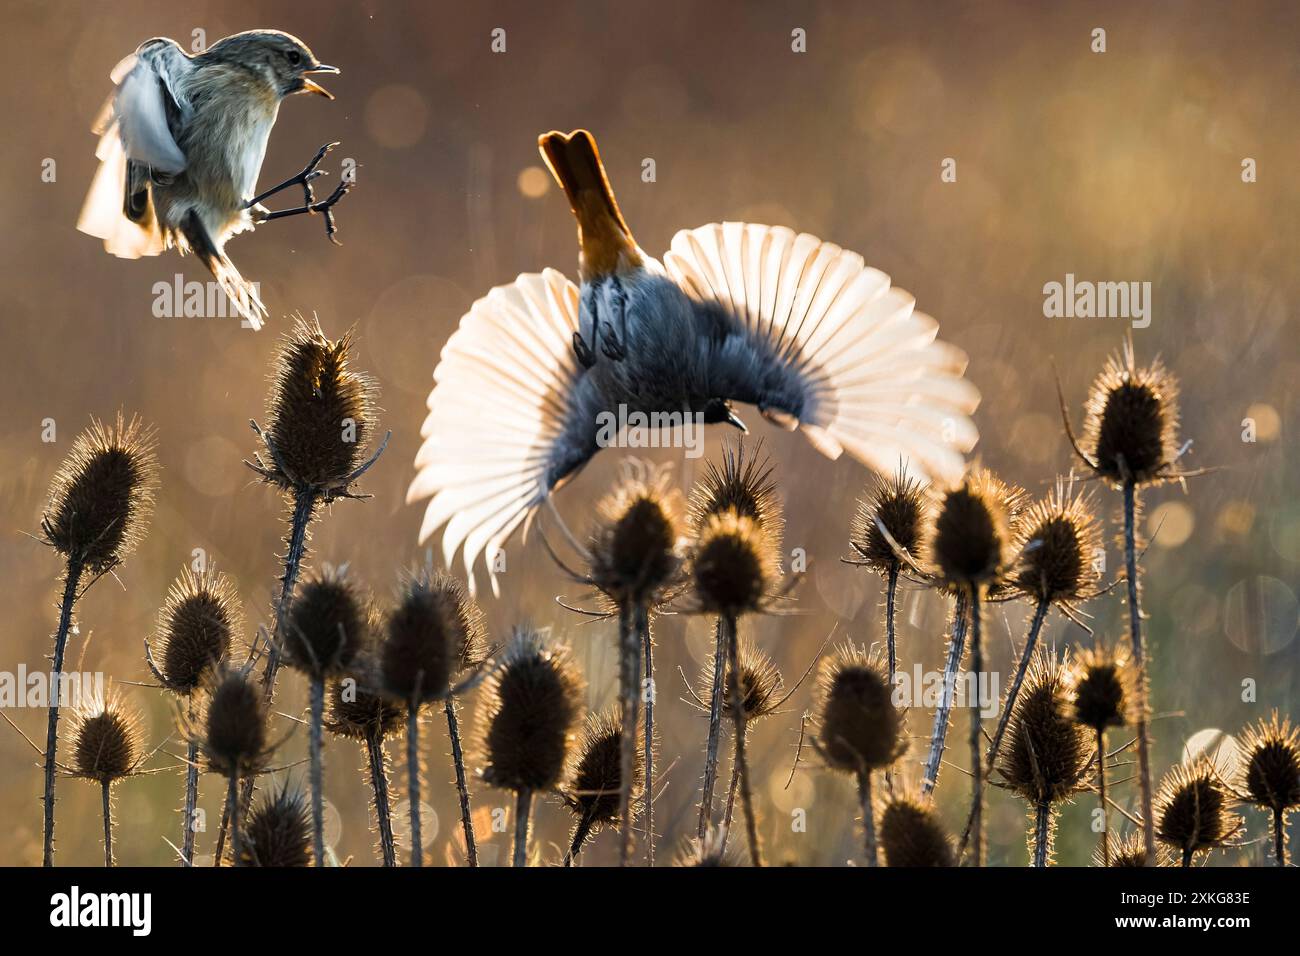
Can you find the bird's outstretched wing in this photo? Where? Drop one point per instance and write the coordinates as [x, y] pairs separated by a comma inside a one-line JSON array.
[[820, 341], [505, 421]]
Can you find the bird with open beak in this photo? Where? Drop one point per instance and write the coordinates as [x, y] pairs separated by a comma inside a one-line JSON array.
[[181, 145], [736, 313]]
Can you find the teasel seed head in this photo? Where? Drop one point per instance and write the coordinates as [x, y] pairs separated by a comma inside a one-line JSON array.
[[277, 833], [356, 708], [107, 742], [593, 783], [1045, 756], [974, 530], [1102, 688], [1129, 852], [1193, 809], [735, 568], [321, 411], [1131, 424], [707, 852], [860, 728], [1057, 541], [760, 682], [326, 626], [634, 548], [102, 496], [532, 705], [901, 506], [196, 629], [741, 486], [233, 732], [435, 632], [911, 833], [1269, 769]]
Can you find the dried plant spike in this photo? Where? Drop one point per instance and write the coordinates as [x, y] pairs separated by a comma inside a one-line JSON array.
[[974, 528], [1130, 430], [435, 632], [1102, 688], [278, 833], [760, 682], [1269, 774], [743, 485], [233, 733], [356, 709], [634, 548], [911, 834], [197, 626], [1127, 853], [859, 726], [594, 782], [898, 505], [102, 497], [1193, 810], [735, 567], [326, 627], [1057, 542], [707, 851], [106, 740]]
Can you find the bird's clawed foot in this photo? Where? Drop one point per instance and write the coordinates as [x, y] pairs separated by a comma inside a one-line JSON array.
[[612, 346], [310, 206], [581, 349]]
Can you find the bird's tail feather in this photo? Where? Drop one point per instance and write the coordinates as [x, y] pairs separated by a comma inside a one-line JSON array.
[[575, 163], [242, 294]]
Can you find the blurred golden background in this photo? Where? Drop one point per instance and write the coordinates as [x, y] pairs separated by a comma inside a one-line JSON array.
[[1116, 166]]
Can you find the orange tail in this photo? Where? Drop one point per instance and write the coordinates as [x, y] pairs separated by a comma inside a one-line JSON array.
[[603, 235]]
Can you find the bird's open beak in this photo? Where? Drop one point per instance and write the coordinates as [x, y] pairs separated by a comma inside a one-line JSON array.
[[311, 86], [734, 419]]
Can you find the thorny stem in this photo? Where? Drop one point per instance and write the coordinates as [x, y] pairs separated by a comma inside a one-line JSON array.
[[1279, 837], [738, 716], [232, 800], [71, 577], [868, 817], [731, 798], [523, 805], [191, 795], [1139, 664], [1101, 792], [647, 641], [108, 826], [715, 726], [1187, 856], [580, 834], [379, 783], [956, 644], [317, 774], [976, 728], [629, 690], [891, 592], [1042, 833], [413, 779], [462, 789]]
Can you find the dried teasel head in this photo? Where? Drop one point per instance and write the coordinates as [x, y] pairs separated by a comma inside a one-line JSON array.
[[1269, 768], [356, 708], [898, 505], [326, 626], [735, 567], [1057, 542], [911, 833], [321, 412], [743, 485], [232, 734], [1193, 809], [102, 496], [972, 544], [435, 632], [860, 728], [529, 712], [1130, 430], [1046, 754], [634, 555], [278, 832], [106, 740], [593, 785], [196, 629], [1102, 688], [1128, 853], [707, 852], [760, 682]]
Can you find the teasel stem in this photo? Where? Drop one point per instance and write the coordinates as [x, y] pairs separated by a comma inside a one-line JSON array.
[[939, 733], [191, 794], [1101, 793], [232, 801], [1139, 664], [462, 788], [1187, 857], [731, 799], [1042, 833], [629, 691], [317, 773], [413, 779], [108, 825], [720, 640], [580, 834], [523, 806], [738, 716], [1279, 837], [71, 577], [868, 817], [891, 592], [976, 728], [647, 641], [379, 783]]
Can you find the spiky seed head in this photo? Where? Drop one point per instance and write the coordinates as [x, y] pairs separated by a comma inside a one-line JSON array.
[[1046, 753], [326, 627], [735, 567], [435, 632], [593, 785], [1193, 809], [1102, 687], [1131, 424], [106, 740], [860, 728], [898, 504], [707, 852], [355, 707], [974, 529], [911, 833], [196, 629], [760, 682], [1129, 852], [532, 704], [321, 411], [1270, 773], [742, 485], [233, 736], [634, 553], [278, 832], [102, 496], [1057, 540]]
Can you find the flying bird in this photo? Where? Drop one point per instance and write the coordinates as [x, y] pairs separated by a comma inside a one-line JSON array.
[[181, 145], [735, 313]]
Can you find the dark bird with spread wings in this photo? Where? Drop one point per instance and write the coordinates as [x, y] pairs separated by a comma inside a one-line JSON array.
[[181, 146], [736, 313]]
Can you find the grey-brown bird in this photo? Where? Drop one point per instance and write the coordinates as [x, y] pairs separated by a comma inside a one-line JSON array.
[[181, 146]]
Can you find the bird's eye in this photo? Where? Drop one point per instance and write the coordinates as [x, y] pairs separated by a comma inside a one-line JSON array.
[[294, 57]]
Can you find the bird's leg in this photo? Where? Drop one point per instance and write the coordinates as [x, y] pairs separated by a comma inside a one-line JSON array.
[[310, 204], [580, 347], [303, 179], [612, 346], [325, 206]]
